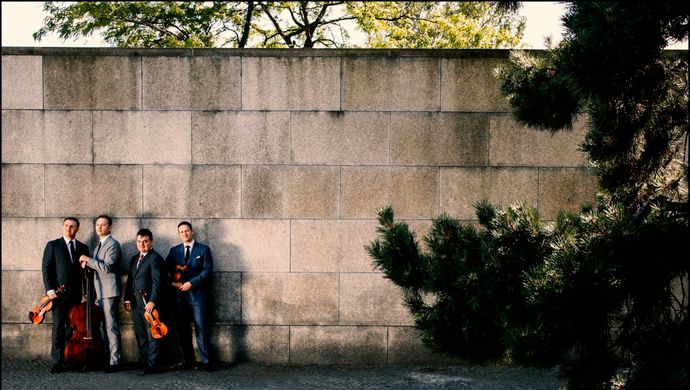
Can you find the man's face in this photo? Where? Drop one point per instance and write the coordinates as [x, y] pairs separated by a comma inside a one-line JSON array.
[[144, 244], [69, 229], [186, 234], [102, 227]]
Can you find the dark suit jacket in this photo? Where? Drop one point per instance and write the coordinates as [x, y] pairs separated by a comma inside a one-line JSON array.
[[198, 273], [58, 269], [150, 277]]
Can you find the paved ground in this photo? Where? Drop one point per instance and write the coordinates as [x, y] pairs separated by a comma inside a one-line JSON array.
[[22, 374]]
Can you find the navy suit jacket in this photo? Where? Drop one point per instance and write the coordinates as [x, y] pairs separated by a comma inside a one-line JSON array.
[[198, 272]]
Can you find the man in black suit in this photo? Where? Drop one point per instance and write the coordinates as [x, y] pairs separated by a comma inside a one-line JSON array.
[[146, 273], [61, 270]]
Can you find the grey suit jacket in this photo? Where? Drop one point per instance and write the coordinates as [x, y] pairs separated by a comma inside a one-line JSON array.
[[106, 263]]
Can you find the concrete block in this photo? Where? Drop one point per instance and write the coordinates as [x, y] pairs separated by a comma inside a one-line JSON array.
[[289, 192], [166, 83], [461, 188], [469, 84], [515, 144], [192, 191], [22, 83], [240, 137], [260, 344], [225, 302], [439, 138], [405, 347], [413, 191], [47, 137], [331, 245], [73, 189], [244, 245], [26, 341], [22, 190], [391, 84], [371, 299], [215, 83], [565, 189], [92, 82], [24, 239], [17, 304], [291, 83], [289, 299], [337, 345], [340, 138], [150, 137]]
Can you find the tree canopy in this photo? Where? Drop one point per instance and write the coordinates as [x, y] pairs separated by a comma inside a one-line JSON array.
[[291, 24]]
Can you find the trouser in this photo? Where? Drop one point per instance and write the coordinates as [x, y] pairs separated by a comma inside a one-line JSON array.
[[186, 314], [149, 348], [58, 338], [110, 329]]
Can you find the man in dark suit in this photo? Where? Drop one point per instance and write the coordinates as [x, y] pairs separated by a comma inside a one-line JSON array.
[[146, 273], [195, 262], [61, 269]]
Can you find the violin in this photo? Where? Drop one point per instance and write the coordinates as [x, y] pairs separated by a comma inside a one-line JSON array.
[[37, 313], [177, 273], [82, 349], [158, 328]]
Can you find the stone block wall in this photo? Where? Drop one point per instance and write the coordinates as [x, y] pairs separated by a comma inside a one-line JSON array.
[[280, 159]]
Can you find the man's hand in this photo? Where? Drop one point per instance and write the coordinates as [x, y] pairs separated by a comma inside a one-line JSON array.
[[52, 295], [186, 286], [83, 259], [128, 306], [149, 307]]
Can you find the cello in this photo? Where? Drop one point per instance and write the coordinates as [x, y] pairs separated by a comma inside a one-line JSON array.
[[83, 350]]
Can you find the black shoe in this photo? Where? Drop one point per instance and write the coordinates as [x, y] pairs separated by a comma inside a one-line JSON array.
[[208, 367], [189, 366], [56, 369], [112, 368], [151, 370]]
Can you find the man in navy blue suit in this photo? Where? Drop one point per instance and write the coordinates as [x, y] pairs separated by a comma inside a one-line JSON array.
[[194, 263]]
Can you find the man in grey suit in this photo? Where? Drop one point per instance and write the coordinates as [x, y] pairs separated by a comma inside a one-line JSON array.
[[106, 263]]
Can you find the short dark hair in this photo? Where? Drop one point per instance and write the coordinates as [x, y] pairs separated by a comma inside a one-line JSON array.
[[145, 233], [110, 220], [185, 223], [71, 219]]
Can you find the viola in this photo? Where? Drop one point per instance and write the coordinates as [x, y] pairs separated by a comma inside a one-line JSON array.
[[158, 328], [83, 350], [37, 313]]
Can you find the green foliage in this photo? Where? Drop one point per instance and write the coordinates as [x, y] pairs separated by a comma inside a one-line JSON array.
[[611, 67], [276, 24], [465, 290], [431, 24]]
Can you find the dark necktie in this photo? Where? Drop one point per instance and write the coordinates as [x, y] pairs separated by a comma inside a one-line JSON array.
[[98, 249], [186, 254], [72, 251], [141, 257]]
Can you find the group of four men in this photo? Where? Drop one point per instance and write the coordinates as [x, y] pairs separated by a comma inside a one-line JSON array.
[[149, 283]]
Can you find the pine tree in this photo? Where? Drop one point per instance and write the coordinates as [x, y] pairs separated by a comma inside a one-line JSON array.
[[602, 292]]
